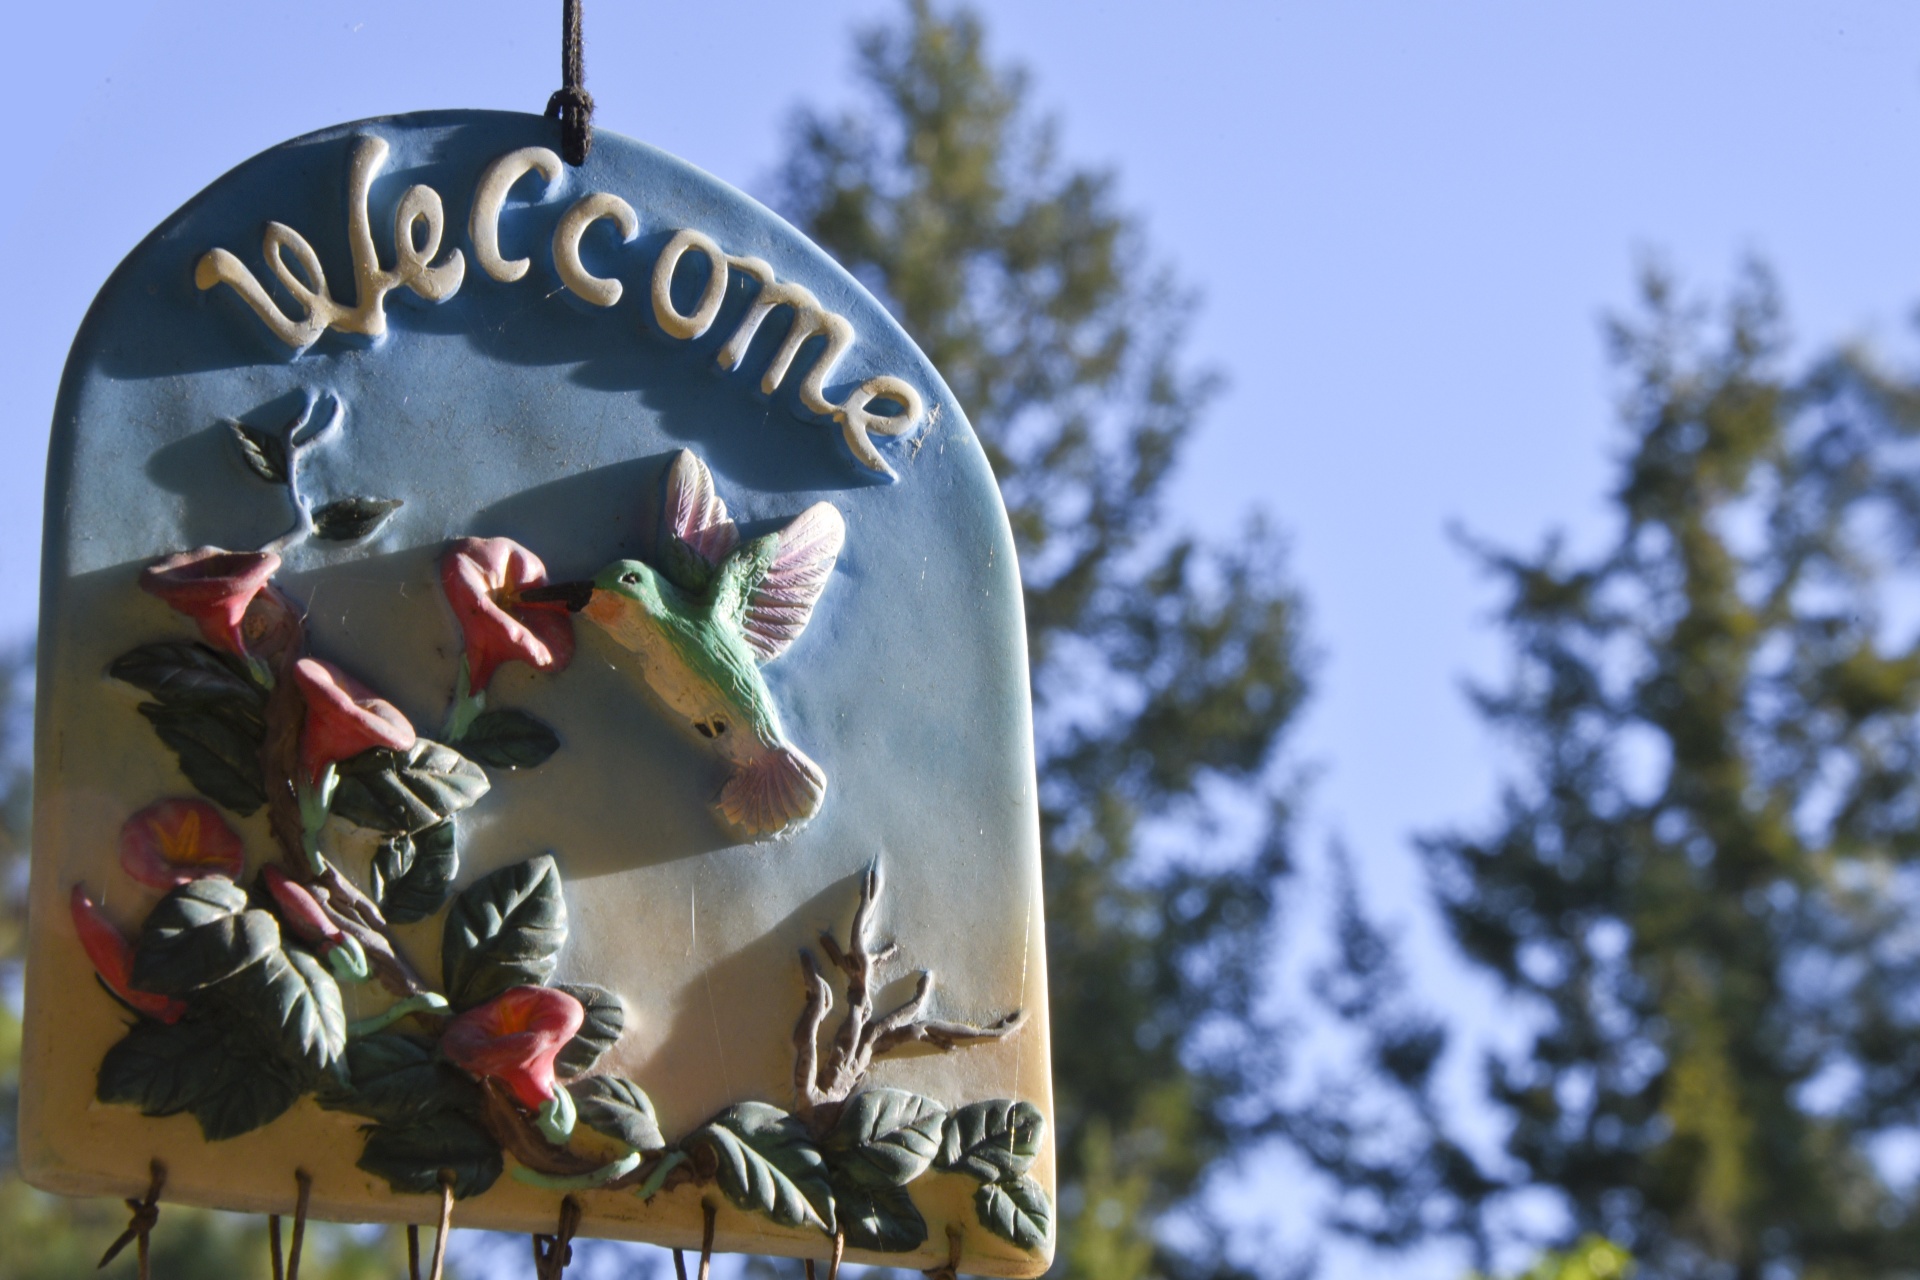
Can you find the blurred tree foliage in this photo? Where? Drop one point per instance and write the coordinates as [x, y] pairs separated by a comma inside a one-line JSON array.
[[1590, 1258], [1703, 894], [1164, 669]]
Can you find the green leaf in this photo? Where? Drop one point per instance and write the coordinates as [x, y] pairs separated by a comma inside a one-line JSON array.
[[219, 752], [992, 1141], [352, 518], [183, 673], [619, 1109], [161, 1069], [205, 1065], [885, 1138], [606, 1019], [504, 930], [413, 875], [199, 934], [1018, 1211], [259, 1092], [264, 453], [401, 794], [509, 740], [411, 1156], [765, 1163], [296, 1006], [208, 711], [398, 1079], [882, 1219]]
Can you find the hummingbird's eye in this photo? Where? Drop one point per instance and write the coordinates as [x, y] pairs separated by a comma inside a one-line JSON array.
[[631, 579]]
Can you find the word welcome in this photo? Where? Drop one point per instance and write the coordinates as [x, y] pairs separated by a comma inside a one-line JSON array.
[[419, 226]]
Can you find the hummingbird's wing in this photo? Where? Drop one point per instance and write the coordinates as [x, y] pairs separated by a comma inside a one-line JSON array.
[[699, 534], [767, 589]]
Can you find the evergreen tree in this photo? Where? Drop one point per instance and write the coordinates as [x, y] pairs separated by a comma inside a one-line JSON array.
[[1704, 890], [1164, 669]]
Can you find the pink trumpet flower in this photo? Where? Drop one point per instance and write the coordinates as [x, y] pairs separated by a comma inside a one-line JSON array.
[[112, 957], [173, 841], [483, 579], [214, 588], [514, 1038], [344, 718]]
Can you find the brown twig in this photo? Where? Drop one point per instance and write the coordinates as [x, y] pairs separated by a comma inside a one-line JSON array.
[[819, 1086], [806, 1038]]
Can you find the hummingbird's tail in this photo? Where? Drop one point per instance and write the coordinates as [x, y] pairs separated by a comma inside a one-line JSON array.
[[774, 792]]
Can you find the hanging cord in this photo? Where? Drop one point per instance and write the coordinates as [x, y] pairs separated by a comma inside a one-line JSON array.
[[680, 1264], [292, 1269], [571, 104], [413, 1252], [706, 1240], [446, 1224], [949, 1270], [839, 1249], [551, 1254], [145, 1214]]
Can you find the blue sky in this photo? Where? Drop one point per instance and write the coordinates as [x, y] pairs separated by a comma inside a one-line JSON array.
[[1406, 220]]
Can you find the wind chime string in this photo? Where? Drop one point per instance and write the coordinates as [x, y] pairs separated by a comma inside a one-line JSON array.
[[291, 1270], [446, 1224], [551, 1254], [571, 104], [145, 1214]]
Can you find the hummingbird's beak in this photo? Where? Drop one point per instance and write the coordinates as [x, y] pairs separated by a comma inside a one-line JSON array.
[[574, 595]]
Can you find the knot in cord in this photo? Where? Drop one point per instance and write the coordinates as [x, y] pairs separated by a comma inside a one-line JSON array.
[[145, 1215], [571, 104]]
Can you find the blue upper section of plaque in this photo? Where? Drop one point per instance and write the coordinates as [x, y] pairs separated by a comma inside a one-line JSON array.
[[519, 409]]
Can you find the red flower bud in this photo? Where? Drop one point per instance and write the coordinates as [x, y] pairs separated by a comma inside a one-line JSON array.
[[302, 911], [214, 588], [112, 958], [514, 1038], [483, 578], [344, 718], [173, 841]]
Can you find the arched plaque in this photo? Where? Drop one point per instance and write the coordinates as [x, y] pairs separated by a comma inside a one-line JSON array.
[[519, 646]]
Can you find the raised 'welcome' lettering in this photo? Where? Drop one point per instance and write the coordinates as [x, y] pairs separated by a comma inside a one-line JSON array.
[[419, 227]]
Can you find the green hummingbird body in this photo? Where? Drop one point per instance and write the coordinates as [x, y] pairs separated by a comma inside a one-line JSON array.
[[702, 624], [695, 664]]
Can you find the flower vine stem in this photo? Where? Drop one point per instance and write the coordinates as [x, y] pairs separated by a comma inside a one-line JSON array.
[[295, 449], [467, 705], [600, 1177], [822, 1085], [357, 915], [514, 1130]]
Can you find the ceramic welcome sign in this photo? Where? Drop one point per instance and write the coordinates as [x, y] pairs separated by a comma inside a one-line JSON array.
[[532, 700]]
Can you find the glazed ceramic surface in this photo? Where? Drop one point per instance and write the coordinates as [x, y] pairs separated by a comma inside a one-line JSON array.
[[530, 361]]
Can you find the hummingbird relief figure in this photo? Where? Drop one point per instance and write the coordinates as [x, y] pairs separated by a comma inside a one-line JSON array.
[[704, 620]]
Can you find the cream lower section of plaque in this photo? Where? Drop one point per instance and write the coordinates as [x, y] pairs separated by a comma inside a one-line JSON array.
[[725, 1036]]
